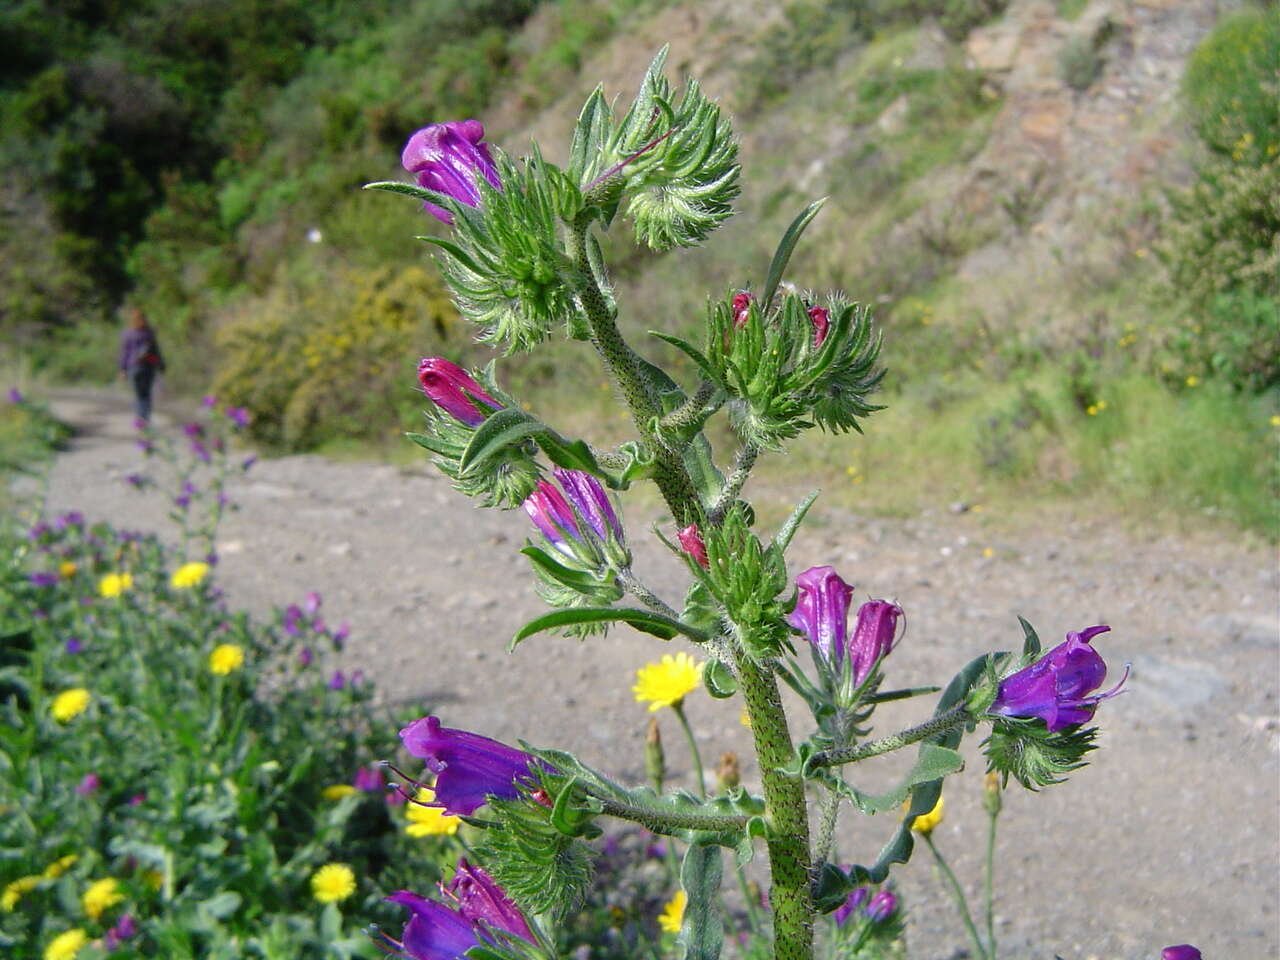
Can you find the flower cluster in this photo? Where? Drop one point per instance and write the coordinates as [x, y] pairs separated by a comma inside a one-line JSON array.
[[822, 613]]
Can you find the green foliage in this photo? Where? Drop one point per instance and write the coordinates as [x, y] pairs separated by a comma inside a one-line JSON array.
[[211, 819], [331, 355], [1079, 63]]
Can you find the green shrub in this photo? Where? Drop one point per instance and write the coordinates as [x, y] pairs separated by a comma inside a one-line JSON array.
[[1079, 63]]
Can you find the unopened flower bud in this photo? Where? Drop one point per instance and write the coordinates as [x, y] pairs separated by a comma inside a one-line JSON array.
[[992, 798], [1183, 951], [882, 906], [820, 317], [741, 308], [693, 545], [655, 765], [454, 390], [728, 775], [451, 158]]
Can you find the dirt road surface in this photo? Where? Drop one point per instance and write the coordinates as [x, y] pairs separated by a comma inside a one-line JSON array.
[[1170, 835]]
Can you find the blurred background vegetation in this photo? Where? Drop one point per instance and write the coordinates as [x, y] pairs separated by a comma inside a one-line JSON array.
[[203, 159]]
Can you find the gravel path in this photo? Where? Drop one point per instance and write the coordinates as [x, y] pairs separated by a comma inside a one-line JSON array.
[[1172, 834]]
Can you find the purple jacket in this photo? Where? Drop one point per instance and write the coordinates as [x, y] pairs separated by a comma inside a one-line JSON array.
[[138, 348]]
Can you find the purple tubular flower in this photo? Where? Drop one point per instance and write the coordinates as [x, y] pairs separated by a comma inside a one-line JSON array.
[[454, 390], [193, 430], [592, 503], [340, 635], [337, 681], [305, 656], [851, 904], [1183, 951], [1055, 688], [292, 617], [822, 611], [73, 519], [15, 395], [882, 906], [469, 768], [182, 502], [369, 779], [873, 636], [208, 401], [552, 515], [311, 604], [238, 415], [450, 158], [434, 931], [88, 784], [485, 903], [73, 645], [200, 451], [136, 480], [43, 578], [126, 928]]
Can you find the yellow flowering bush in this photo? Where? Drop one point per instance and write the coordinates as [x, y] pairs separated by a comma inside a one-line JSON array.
[[69, 704], [225, 658], [189, 575]]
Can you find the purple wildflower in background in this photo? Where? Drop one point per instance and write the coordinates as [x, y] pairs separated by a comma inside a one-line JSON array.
[[856, 899], [136, 480], [357, 678], [211, 559], [369, 779], [15, 395], [126, 928], [337, 681], [292, 619], [143, 445], [1183, 951], [137, 800], [882, 906], [43, 578], [450, 158], [454, 390], [239, 416], [469, 768], [248, 462], [193, 430], [200, 451], [1055, 688], [73, 518], [340, 635], [182, 501], [73, 646], [311, 604], [305, 656], [38, 531], [88, 784], [140, 424], [208, 401]]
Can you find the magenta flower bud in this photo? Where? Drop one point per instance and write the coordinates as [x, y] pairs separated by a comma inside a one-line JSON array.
[[691, 540], [88, 784], [1183, 951], [485, 903], [591, 501], [882, 906], [820, 317], [305, 656], [311, 604], [822, 611], [873, 636], [208, 401], [1055, 688], [126, 928], [193, 430], [741, 305], [434, 931], [337, 681], [454, 390], [450, 158], [856, 899], [552, 515], [137, 800], [469, 768]]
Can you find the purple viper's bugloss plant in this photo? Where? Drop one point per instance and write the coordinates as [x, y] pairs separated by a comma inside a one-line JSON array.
[[450, 158], [820, 317], [1056, 687], [469, 768], [434, 931], [552, 515], [882, 906], [454, 390], [483, 902], [822, 611], [577, 519], [1183, 951], [692, 543], [588, 496], [873, 636], [856, 899]]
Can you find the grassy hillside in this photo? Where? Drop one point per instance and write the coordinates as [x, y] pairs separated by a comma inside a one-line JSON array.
[[1064, 216]]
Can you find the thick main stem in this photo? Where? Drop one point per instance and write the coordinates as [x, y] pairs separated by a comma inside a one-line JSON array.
[[786, 813]]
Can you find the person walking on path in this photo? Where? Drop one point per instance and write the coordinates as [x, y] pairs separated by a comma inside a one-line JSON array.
[[140, 360]]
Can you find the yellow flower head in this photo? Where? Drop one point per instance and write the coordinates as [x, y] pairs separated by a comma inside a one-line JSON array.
[[114, 584], [14, 890], [428, 821], [666, 683], [925, 823], [225, 658], [189, 575], [672, 915], [333, 882], [69, 704], [1193, 381], [68, 569], [101, 895], [66, 945], [60, 866], [337, 791]]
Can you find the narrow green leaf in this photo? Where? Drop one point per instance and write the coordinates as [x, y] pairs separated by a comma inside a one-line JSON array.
[[500, 430], [643, 620], [455, 251], [434, 445], [702, 932], [782, 539], [1031, 640], [577, 579], [689, 350], [575, 455], [786, 247]]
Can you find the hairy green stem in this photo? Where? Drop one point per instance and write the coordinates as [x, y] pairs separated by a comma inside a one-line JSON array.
[[689, 413], [734, 483], [940, 724], [644, 594], [691, 740], [957, 893], [827, 826], [667, 822], [990, 883], [786, 813]]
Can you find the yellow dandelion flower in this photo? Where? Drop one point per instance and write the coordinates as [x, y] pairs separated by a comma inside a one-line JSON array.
[[333, 882], [114, 584], [925, 823], [69, 704], [672, 915], [337, 791], [225, 658], [66, 945], [666, 683], [68, 569], [428, 821], [1092, 410], [60, 866], [1193, 381], [988, 552], [189, 575], [101, 895], [1275, 419], [14, 891]]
